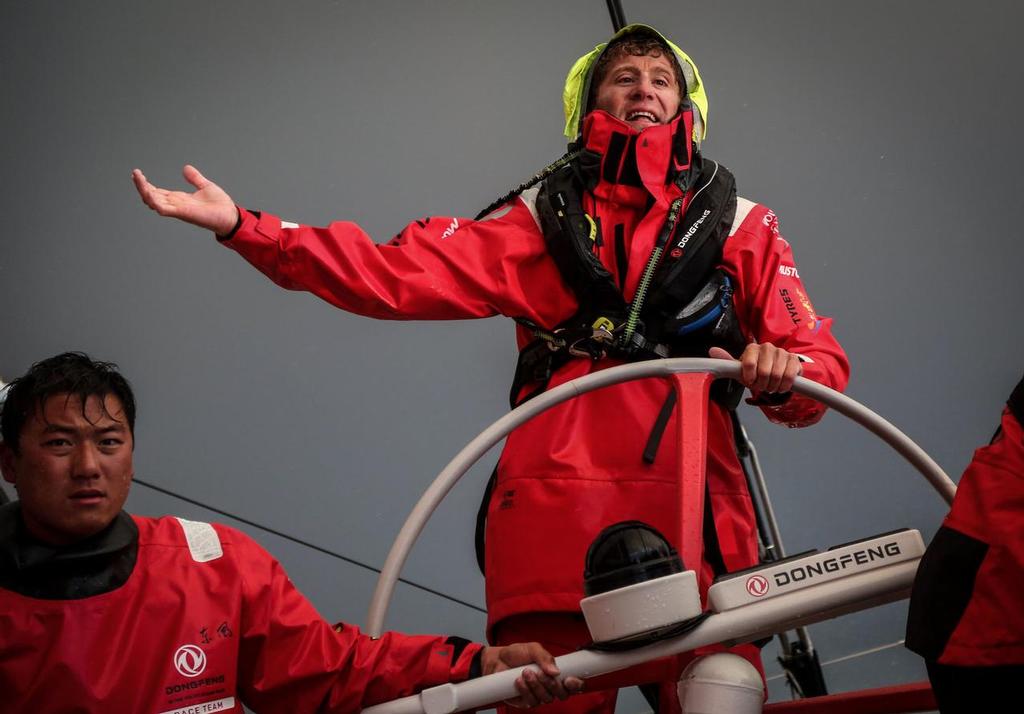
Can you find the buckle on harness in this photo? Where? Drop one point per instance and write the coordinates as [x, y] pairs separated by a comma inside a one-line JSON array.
[[595, 344], [639, 346]]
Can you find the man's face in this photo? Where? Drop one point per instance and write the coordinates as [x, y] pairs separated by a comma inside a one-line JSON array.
[[73, 469], [641, 91]]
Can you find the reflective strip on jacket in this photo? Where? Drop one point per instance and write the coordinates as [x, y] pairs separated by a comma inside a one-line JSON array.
[[188, 636]]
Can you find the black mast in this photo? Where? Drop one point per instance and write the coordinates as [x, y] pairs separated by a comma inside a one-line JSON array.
[[618, 17]]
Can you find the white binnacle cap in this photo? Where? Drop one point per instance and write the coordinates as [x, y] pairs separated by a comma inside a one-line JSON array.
[[642, 607]]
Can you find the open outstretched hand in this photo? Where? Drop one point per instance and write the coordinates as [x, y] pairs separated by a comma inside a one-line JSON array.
[[209, 206]]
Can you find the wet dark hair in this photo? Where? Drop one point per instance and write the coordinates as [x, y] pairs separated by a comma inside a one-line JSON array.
[[71, 373], [636, 44]]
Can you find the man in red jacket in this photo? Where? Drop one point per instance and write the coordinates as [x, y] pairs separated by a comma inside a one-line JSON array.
[[590, 263], [100, 610], [966, 613]]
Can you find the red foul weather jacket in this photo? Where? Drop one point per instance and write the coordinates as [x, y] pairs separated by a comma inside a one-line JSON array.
[[567, 474], [967, 607], [206, 620]]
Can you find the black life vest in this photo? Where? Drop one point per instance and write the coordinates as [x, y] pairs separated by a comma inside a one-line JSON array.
[[688, 307], [682, 307]]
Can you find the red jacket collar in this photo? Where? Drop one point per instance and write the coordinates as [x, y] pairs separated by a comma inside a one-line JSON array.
[[631, 167]]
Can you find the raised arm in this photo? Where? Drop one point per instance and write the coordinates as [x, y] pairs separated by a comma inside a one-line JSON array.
[[440, 268]]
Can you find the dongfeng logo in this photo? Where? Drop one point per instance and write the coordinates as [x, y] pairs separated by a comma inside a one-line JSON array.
[[757, 586], [190, 661]]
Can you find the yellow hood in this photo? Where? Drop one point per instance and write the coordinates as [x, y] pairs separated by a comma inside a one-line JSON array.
[[577, 85]]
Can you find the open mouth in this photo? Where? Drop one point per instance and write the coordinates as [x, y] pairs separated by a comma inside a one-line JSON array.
[[641, 116]]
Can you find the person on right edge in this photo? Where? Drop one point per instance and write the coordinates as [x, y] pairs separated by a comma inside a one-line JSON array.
[[967, 607]]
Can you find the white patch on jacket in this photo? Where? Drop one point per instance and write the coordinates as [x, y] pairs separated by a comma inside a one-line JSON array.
[[450, 230]]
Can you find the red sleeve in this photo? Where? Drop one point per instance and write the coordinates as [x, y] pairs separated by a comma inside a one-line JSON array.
[[291, 660], [989, 499], [773, 306], [436, 268]]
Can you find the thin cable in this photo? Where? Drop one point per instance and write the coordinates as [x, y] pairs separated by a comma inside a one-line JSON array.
[[305, 543], [873, 650], [853, 655], [533, 181]]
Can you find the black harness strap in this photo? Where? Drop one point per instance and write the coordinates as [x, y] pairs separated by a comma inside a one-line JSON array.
[[480, 535], [654, 440], [568, 232], [697, 246]]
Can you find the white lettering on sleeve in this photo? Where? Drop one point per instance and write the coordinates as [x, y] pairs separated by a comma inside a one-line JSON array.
[[217, 705], [450, 230]]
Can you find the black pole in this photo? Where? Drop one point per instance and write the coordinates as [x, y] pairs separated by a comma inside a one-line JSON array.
[[618, 17], [799, 659]]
